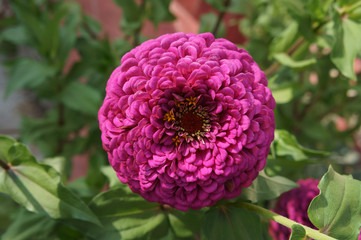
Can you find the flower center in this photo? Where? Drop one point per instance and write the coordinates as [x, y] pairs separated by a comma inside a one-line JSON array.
[[189, 119], [191, 123]]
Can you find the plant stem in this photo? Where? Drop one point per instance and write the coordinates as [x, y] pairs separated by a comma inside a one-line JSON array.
[[273, 68], [4, 165], [61, 122], [138, 30], [282, 220], [220, 17], [353, 7]]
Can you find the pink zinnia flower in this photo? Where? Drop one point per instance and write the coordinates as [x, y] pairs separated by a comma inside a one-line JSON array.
[[187, 120], [293, 205]]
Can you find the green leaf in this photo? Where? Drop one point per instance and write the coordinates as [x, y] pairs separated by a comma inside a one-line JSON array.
[[267, 188], [346, 44], [82, 98], [38, 187], [284, 41], [285, 166], [217, 4], [50, 40], [111, 175], [282, 94], [28, 73], [68, 32], [286, 60], [126, 215], [319, 8], [93, 25], [132, 16], [7, 210], [159, 11], [131, 10], [336, 211], [16, 35], [298, 11], [285, 144], [95, 178], [185, 224], [208, 23], [232, 224], [5, 145], [298, 232], [81, 188], [28, 225], [44, 132], [58, 163], [288, 156], [296, 8], [27, 13]]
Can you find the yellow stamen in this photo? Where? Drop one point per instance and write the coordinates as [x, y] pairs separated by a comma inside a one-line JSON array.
[[191, 100], [169, 116], [176, 140], [178, 103]]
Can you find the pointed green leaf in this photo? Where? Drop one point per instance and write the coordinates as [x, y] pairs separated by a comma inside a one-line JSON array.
[[82, 98], [346, 44], [298, 232], [231, 224], [336, 211], [282, 94], [288, 156], [133, 16], [5, 145], [28, 225], [208, 23], [34, 27], [285, 144], [58, 163], [68, 32], [126, 215], [286, 60], [185, 224], [284, 41], [50, 40], [111, 175], [38, 187], [7, 210], [28, 73], [16, 35], [159, 11], [267, 188]]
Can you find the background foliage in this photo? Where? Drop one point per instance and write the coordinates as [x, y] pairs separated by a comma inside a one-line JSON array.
[[307, 50]]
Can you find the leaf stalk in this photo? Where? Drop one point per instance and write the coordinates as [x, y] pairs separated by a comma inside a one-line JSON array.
[[4, 165], [282, 220]]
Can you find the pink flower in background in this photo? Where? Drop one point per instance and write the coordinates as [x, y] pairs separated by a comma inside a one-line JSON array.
[[187, 120], [294, 205]]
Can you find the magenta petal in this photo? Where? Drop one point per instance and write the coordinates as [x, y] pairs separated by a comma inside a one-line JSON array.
[[187, 120]]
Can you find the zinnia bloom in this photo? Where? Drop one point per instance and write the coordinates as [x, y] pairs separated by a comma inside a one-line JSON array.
[[293, 205], [187, 120]]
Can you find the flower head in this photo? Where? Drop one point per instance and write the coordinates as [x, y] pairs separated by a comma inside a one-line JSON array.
[[294, 205], [187, 120]]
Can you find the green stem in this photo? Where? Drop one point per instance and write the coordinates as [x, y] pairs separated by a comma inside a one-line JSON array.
[[4, 165], [138, 30], [353, 7], [273, 68], [220, 18], [282, 220]]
